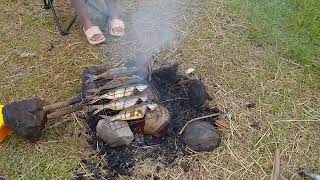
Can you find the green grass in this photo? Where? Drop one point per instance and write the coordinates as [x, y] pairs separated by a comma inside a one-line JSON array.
[[289, 27]]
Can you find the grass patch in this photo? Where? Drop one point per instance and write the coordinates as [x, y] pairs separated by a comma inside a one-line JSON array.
[[289, 27]]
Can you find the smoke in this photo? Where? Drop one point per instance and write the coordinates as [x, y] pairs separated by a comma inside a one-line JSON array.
[[153, 26], [150, 28]]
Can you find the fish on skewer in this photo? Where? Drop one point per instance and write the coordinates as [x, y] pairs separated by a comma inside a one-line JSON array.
[[113, 73], [120, 104], [118, 82], [120, 92], [133, 113]]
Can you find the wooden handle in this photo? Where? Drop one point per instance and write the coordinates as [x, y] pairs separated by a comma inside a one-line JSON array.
[[65, 111], [58, 105]]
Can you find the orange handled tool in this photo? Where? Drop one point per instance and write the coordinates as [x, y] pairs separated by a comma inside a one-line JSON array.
[[4, 130]]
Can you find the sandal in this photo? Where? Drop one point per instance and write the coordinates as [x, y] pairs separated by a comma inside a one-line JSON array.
[[94, 31], [116, 23]]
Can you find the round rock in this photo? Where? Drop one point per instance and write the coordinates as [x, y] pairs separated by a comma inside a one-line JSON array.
[[201, 136], [114, 133], [156, 120], [197, 93]]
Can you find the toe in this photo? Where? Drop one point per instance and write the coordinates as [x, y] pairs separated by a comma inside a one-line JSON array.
[[97, 37]]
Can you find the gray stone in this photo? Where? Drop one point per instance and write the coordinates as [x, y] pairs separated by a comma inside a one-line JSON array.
[[201, 136], [114, 133]]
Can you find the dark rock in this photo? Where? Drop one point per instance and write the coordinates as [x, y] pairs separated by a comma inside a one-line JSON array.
[[197, 93], [166, 73], [201, 136]]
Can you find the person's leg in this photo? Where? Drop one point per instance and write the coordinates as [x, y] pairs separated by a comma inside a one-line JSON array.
[[113, 7], [116, 26], [80, 7]]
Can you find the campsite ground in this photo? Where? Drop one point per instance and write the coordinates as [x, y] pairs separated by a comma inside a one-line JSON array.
[[243, 58]]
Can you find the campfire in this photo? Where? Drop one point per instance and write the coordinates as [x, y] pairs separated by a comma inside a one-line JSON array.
[[138, 106]]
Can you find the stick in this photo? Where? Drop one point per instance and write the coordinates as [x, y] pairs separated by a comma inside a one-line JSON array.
[[55, 106], [150, 70], [170, 100], [65, 111], [196, 119], [276, 165]]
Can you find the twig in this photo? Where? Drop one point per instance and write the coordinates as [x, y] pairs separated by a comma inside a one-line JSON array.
[[262, 137], [93, 54], [145, 147], [276, 165], [298, 120], [191, 150], [72, 45], [196, 119], [170, 100], [150, 69], [5, 59]]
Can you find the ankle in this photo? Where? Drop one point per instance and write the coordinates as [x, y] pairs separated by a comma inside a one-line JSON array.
[[87, 25]]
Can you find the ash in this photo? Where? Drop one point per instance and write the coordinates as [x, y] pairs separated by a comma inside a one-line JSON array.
[[165, 149]]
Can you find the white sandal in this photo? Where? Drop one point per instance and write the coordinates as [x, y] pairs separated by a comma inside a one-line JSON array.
[[91, 32], [116, 23]]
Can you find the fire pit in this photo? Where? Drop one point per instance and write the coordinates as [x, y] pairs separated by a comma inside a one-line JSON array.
[[170, 100]]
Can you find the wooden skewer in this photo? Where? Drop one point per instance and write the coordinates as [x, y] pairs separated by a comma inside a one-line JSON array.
[[64, 107], [276, 165], [55, 106], [65, 111]]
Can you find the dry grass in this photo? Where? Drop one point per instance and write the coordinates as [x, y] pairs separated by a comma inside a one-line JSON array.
[[235, 72], [53, 74]]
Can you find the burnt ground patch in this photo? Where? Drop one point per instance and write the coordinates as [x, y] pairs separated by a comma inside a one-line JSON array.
[[165, 149]]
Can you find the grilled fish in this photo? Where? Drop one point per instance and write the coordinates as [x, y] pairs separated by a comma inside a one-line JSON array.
[[120, 104], [120, 92], [118, 82], [133, 113], [113, 73]]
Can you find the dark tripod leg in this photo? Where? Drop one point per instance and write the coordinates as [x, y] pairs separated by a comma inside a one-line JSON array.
[[48, 4]]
